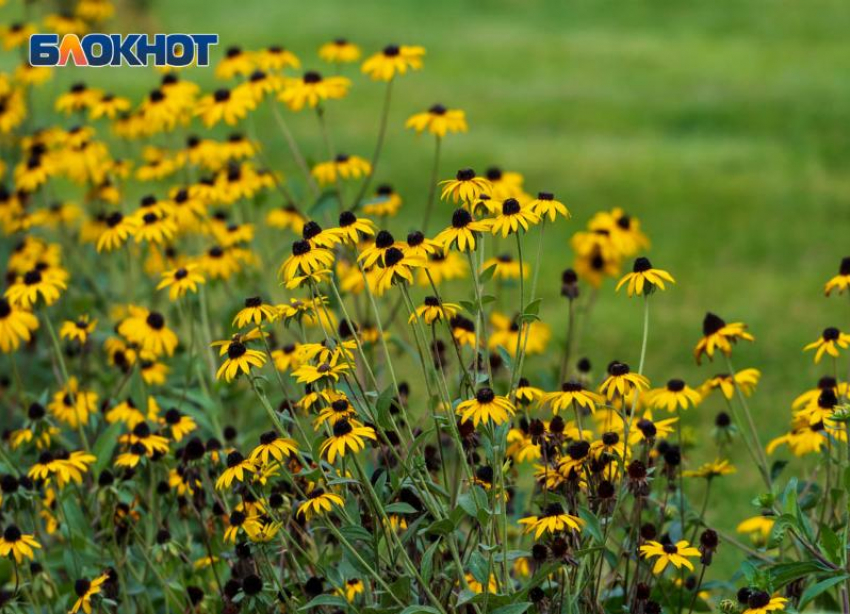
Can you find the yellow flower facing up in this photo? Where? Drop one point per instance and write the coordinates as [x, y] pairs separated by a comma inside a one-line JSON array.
[[621, 381], [830, 341], [840, 282], [273, 446], [675, 395], [237, 469], [486, 407], [665, 554], [761, 602], [77, 330], [17, 545], [147, 329], [512, 217], [546, 205], [463, 231], [465, 187], [393, 60], [346, 434], [339, 51], [86, 589], [311, 89], [718, 335], [643, 280], [181, 281], [341, 167], [352, 230], [553, 520], [276, 57], [118, 228], [305, 260], [438, 120], [225, 105], [319, 503], [27, 289], [572, 394], [255, 312], [433, 310], [66, 469], [72, 405], [239, 359], [235, 62], [16, 325]]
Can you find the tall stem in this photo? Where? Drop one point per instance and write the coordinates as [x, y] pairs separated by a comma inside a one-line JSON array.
[[376, 155], [432, 185]]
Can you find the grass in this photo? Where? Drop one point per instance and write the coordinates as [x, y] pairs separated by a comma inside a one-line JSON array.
[[722, 126]]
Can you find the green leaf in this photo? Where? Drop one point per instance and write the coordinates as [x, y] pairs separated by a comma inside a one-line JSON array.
[[533, 308], [821, 587], [335, 600], [830, 544], [514, 608], [427, 564], [400, 508], [785, 573], [487, 274], [419, 609], [105, 446], [478, 567], [591, 524]]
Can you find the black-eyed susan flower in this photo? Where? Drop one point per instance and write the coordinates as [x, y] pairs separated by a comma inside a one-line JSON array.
[[346, 434], [340, 408], [16, 34], [553, 520], [77, 98], [18, 545], [643, 280], [840, 282], [393, 60], [546, 205], [13, 110], [273, 446], [718, 335], [375, 253], [109, 105], [228, 105], [237, 469], [351, 589], [463, 331], [675, 395], [77, 330], [716, 468], [238, 522], [66, 468], [527, 394], [255, 312], [830, 341], [319, 503], [35, 283], [745, 380], [351, 229], [463, 231], [305, 260], [339, 51], [343, 166], [761, 602], [758, 528], [621, 381], [147, 329], [438, 120], [85, 590], [572, 394], [73, 405], [485, 407], [16, 325], [236, 62], [239, 358], [465, 187], [311, 89], [433, 310], [385, 203], [622, 229], [397, 267], [512, 217], [181, 280], [117, 229], [178, 423], [286, 216], [329, 371], [505, 267], [276, 57], [665, 554]]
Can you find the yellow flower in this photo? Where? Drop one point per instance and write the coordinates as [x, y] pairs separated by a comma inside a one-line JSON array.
[[545, 204], [117, 230], [85, 590], [717, 334], [462, 232], [840, 282], [239, 358], [346, 434], [77, 330], [24, 292], [711, 470], [505, 267], [273, 446], [572, 393], [147, 329], [66, 470], [513, 216], [553, 520], [745, 380], [677, 394], [760, 602], [311, 89], [180, 281], [276, 58], [305, 259], [318, 502], [829, 343], [16, 544], [397, 267], [352, 588], [621, 229], [668, 553], [643, 280], [255, 312], [385, 203], [109, 105], [621, 381], [351, 229], [393, 60], [339, 51], [239, 521], [486, 407], [341, 167], [758, 528], [237, 468], [433, 310], [438, 120], [465, 187], [16, 325], [224, 104], [179, 424], [234, 63], [72, 405], [327, 371]]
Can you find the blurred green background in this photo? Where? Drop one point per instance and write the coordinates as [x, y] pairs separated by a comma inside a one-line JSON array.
[[722, 126]]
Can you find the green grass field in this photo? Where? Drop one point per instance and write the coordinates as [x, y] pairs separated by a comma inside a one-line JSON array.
[[722, 126]]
